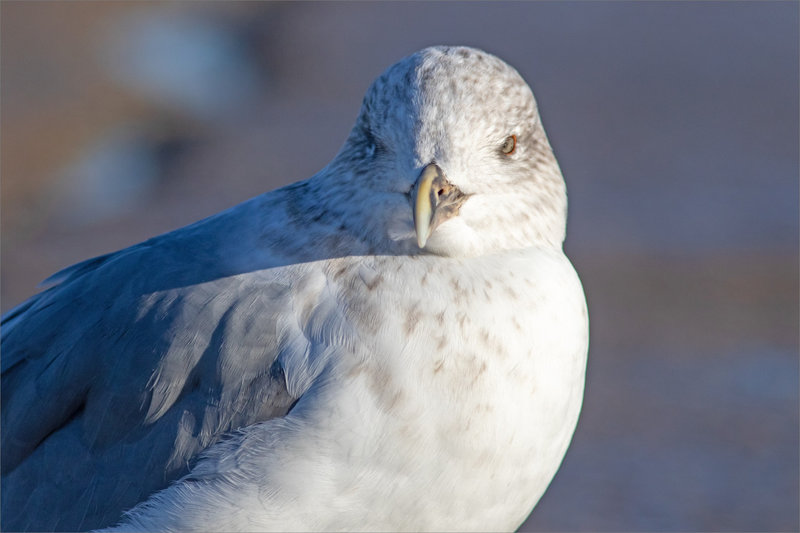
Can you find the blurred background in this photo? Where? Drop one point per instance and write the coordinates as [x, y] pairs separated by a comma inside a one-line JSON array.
[[676, 125]]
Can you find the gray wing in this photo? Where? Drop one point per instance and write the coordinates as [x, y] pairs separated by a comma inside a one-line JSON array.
[[117, 377]]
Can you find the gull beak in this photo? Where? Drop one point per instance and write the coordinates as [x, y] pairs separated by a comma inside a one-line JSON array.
[[433, 200]]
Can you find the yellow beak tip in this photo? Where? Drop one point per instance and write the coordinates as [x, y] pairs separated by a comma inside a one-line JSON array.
[[422, 204]]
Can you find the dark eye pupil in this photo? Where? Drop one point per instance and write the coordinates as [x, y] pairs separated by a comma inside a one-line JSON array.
[[509, 144]]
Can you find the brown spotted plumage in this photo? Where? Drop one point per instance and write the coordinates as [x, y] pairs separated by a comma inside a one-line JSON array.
[[396, 343]]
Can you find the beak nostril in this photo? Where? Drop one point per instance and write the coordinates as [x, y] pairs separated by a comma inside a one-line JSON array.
[[434, 200]]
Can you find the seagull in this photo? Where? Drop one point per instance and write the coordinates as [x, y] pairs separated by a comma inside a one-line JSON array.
[[397, 343]]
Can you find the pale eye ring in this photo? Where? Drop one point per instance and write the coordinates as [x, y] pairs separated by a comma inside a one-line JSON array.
[[509, 145]]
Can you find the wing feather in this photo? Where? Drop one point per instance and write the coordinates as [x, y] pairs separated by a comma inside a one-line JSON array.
[[130, 366]]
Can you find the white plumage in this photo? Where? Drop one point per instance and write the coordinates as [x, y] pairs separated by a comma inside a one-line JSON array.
[[397, 343]]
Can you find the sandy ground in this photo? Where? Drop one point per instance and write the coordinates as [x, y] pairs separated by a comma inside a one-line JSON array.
[[676, 126]]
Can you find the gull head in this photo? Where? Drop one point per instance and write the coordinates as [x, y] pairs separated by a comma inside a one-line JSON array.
[[448, 156]]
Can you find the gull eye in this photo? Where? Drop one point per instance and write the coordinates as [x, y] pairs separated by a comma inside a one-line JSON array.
[[509, 145]]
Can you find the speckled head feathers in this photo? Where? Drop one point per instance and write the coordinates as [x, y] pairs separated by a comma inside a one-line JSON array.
[[456, 107]]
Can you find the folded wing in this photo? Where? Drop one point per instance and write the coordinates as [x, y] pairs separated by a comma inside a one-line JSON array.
[[116, 378]]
